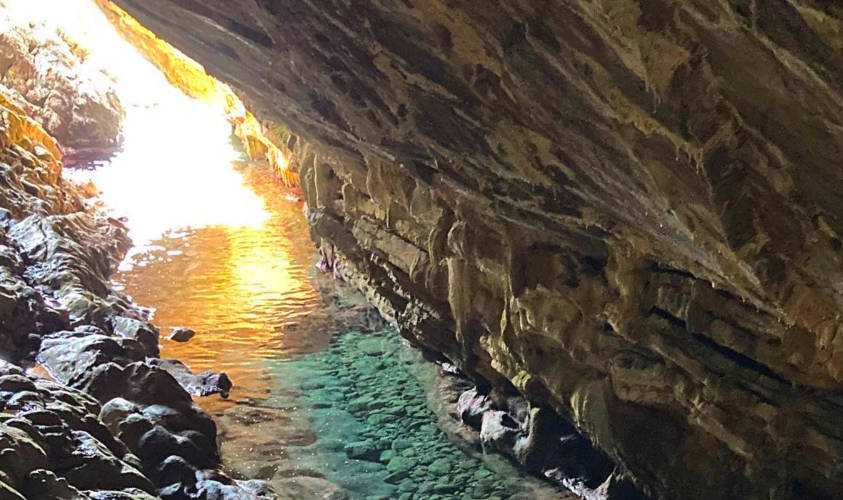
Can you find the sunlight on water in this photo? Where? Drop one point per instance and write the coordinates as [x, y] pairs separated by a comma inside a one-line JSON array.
[[318, 409], [177, 151], [178, 154], [245, 290]]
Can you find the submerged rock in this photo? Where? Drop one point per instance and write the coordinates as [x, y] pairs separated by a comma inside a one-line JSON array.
[[181, 334], [356, 447], [363, 450]]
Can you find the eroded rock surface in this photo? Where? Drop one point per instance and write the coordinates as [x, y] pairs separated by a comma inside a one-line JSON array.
[[47, 75], [628, 210]]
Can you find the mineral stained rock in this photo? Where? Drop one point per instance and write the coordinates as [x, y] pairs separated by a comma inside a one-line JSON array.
[[48, 75], [627, 210]]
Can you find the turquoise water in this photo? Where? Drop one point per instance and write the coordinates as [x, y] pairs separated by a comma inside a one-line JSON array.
[[327, 404], [367, 402], [366, 430], [318, 409]]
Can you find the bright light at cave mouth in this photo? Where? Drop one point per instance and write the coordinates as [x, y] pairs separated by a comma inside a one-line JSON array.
[[196, 185]]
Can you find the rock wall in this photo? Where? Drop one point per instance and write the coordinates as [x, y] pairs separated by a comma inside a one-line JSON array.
[[627, 210], [47, 75]]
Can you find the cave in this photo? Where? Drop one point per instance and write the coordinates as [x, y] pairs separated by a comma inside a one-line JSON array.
[[421, 249]]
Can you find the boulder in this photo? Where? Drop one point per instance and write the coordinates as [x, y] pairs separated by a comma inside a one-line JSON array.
[[471, 406], [499, 432], [199, 384]]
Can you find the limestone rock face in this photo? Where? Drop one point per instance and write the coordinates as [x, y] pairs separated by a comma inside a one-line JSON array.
[[50, 79], [628, 210]]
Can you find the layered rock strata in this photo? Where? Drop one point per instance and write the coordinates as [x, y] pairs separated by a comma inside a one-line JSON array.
[[627, 211], [100, 416], [47, 74]]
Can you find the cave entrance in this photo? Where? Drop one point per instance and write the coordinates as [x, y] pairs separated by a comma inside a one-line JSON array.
[[176, 134], [220, 244]]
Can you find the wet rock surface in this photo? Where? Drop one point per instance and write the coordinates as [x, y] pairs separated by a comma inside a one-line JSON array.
[[48, 75], [628, 211], [106, 419], [543, 443], [199, 384], [54, 446]]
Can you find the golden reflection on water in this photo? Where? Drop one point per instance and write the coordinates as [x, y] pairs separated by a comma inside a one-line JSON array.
[[220, 246], [174, 171], [245, 290]]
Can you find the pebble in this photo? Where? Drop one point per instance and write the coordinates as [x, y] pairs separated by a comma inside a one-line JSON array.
[[396, 434]]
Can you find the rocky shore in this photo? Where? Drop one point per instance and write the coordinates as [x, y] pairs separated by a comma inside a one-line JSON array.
[[88, 409]]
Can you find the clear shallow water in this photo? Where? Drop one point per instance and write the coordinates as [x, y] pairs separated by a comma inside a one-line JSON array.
[[245, 290], [318, 408], [366, 400]]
